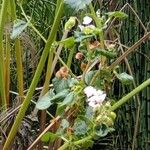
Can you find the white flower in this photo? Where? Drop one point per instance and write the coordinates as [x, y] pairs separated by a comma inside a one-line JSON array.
[[94, 97], [89, 91], [87, 20], [93, 105]]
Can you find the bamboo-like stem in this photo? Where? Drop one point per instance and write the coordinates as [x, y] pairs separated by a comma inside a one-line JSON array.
[[2, 83], [7, 70], [138, 100], [35, 80], [18, 52], [129, 95]]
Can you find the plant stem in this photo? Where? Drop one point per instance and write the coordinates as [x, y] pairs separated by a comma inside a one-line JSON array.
[[18, 50], [35, 80], [69, 61], [7, 70], [2, 83], [79, 142], [31, 25], [131, 94]]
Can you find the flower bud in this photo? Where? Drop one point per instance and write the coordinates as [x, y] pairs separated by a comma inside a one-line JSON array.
[[79, 56], [112, 115], [89, 29], [70, 23], [83, 66]]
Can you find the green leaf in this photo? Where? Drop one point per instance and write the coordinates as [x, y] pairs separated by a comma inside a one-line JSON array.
[[72, 82], [117, 14], [60, 84], [59, 96], [107, 53], [125, 78], [80, 127], [88, 76], [77, 4], [69, 42], [45, 101], [49, 98], [63, 126], [79, 36], [68, 100], [48, 136], [102, 130], [89, 113], [18, 27]]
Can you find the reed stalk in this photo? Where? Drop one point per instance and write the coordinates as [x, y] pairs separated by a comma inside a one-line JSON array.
[[2, 71], [35, 80]]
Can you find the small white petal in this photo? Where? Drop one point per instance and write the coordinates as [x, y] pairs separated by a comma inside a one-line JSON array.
[[87, 20], [91, 99], [92, 104], [89, 91], [102, 97]]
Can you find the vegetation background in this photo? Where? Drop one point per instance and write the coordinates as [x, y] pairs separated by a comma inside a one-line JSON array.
[[133, 119]]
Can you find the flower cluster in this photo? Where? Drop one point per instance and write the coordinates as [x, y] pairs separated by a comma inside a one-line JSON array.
[[94, 97]]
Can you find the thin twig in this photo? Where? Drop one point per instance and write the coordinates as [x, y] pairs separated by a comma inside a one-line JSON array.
[[131, 49], [46, 129]]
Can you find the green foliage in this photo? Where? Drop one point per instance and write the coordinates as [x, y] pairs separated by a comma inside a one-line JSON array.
[[77, 5], [80, 127], [125, 78], [68, 99], [117, 14], [103, 130], [48, 99], [68, 42], [63, 126], [49, 137], [60, 84], [18, 27], [45, 102]]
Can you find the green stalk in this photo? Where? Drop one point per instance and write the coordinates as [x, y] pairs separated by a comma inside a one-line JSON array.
[[18, 50], [35, 80], [2, 21], [7, 70], [101, 36], [79, 142], [69, 61], [131, 94]]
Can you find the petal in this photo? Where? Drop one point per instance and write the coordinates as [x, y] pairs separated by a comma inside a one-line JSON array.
[[92, 104], [91, 99], [87, 20], [89, 91]]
